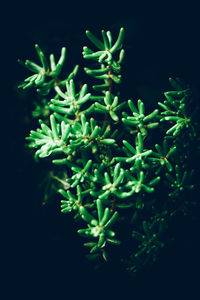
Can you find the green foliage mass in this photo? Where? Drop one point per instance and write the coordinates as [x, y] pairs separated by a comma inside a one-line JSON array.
[[127, 170]]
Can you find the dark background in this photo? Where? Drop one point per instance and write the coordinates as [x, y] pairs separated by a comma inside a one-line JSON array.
[[42, 254]]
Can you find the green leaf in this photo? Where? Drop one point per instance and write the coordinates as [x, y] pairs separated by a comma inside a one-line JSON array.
[[105, 39], [114, 116], [54, 126], [87, 216], [112, 220], [119, 41], [108, 141], [94, 40], [42, 57], [105, 217], [99, 209]]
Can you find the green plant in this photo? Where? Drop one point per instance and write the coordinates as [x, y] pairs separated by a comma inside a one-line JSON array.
[[128, 172]]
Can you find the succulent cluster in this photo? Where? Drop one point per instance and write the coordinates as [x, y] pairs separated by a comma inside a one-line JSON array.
[[118, 175]]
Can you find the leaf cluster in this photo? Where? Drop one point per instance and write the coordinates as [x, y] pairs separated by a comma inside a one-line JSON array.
[[115, 169]]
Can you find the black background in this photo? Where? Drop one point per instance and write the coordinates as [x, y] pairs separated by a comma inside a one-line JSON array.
[[42, 254]]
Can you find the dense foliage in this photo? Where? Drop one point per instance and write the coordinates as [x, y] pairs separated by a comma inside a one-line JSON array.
[[127, 171]]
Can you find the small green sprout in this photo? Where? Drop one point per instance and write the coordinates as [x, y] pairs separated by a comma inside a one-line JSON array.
[[162, 155], [80, 174], [113, 186], [106, 49], [135, 155], [100, 228], [44, 70], [139, 119], [72, 202], [50, 141], [138, 184], [45, 76], [72, 102], [149, 244], [149, 240], [178, 126], [180, 182], [109, 67], [176, 110], [110, 106]]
